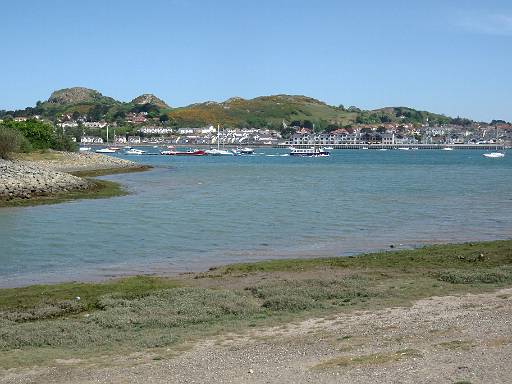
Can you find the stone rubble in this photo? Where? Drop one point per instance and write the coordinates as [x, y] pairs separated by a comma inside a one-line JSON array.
[[28, 179]]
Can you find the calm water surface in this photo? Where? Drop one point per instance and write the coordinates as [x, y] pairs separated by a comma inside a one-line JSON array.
[[191, 213]]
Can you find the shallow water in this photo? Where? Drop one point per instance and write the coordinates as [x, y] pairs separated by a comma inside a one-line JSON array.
[[189, 213]]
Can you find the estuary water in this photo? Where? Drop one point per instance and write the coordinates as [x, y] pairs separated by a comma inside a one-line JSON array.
[[190, 213]]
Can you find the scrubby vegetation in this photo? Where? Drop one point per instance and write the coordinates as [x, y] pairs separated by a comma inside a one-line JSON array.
[[23, 136], [150, 312], [12, 141]]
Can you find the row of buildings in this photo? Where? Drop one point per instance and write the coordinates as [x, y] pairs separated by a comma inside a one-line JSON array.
[[402, 135], [193, 136], [387, 134]]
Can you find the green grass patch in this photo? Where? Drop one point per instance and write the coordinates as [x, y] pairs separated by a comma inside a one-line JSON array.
[[486, 276], [460, 256], [302, 295], [40, 155], [32, 297]]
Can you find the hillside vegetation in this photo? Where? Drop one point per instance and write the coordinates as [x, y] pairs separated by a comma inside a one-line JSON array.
[[260, 112]]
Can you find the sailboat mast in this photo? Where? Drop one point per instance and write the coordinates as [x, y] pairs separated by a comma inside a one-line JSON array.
[[314, 140], [496, 139], [218, 136]]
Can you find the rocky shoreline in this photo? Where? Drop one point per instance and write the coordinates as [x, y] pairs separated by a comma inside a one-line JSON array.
[[22, 179]]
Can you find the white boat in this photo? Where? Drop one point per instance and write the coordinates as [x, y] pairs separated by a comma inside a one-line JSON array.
[[84, 149], [365, 148], [494, 155], [243, 151], [383, 149], [404, 148], [328, 148], [309, 152], [218, 151], [135, 151], [127, 147], [105, 150], [447, 149]]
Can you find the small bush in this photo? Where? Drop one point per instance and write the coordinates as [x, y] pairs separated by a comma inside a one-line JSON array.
[[12, 141], [474, 277], [50, 310], [300, 295], [38, 133], [64, 143]]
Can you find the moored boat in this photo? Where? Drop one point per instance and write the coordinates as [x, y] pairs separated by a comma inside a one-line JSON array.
[[105, 150], [218, 152], [242, 151], [196, 152], [309, 152], [135, 151], [494, 155]]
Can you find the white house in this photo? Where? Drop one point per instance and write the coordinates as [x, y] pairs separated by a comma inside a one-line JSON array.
[[134, 139], [95, 124], [91, 140]]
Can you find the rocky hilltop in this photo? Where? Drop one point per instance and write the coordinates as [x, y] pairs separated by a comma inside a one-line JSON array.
[[76, 95], [148, 98]]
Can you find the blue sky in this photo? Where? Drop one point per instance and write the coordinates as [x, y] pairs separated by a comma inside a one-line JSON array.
[[452, 57]]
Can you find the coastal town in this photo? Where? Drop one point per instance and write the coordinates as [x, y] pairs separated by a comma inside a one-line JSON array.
[[140, 129]]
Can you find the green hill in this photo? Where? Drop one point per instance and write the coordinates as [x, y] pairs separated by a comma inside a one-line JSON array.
[[409, 115], [83, 101], [260, 112], [264, 111]]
